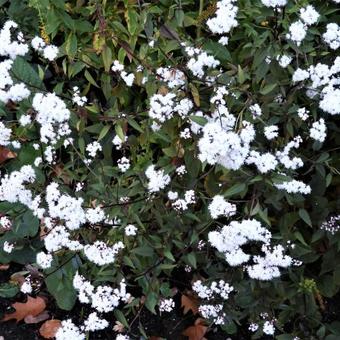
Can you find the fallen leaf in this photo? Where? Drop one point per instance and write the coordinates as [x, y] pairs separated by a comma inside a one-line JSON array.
[[6, 154], [4, 266], [197, 331], [33, 306], [49, 328], [36, 319], [189, 302], [18, 277]]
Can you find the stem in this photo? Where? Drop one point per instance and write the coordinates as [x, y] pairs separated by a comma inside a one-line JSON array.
[[199, 15]]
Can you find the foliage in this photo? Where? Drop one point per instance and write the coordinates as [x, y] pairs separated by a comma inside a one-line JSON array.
[[91, 36]]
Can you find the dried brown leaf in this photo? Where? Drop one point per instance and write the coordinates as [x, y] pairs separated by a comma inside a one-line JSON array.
[[36, 319], [197, 331], [49, 328], [189, 302], [33, 306]]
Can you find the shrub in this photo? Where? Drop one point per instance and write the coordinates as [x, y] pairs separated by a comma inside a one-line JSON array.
[[168, 140]]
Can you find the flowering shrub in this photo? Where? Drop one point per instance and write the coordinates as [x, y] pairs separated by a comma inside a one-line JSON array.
[[143, 144]]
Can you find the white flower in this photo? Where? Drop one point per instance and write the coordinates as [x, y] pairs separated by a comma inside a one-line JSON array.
[[309, 15], [332, 36], [274, 3], [68, 331], [25, 120], [318, 130], [271, 131], [268, 328], [220, 207], [157, 179], [50, 52], [123, 164], [94, 323], [8, 247], [255, 110], [225, 17], [166, 305], [26, 287], [93, 148], [131, 230], [284, 60], [44, 260], [297, 32], [294, 187]]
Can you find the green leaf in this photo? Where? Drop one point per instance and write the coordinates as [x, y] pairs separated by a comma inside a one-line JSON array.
[[199, 120], [107, 58], [8, 290], [90, 79], [104, 132], [305, 216], [268, 88], [26, 225], [71, 45], [144, 251], [22, 71], [151, 301], [235, 189], [119, 132]]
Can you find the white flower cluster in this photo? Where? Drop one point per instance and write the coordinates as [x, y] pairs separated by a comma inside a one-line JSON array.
[[69, 330], [230, 239], [64, 207], [181, 204], [12, 187], [221, 145], [264, 162], [102, 254], [318, 130], [274, 3], [93, 148], [76, 98], [49, 52], [44, 260], [157, 179], [8, 247], [171, 76], [332, 225], [52, 115], [298, 29], [294, 187], [130, 230], [322, 75], [225, 17], [283, 156], [118, 142], [213, 312], [199, 61], [9, 90], [124, 164], [9, 48], [271, 132], [128, 78], [166, 305], [220, 207], [332, 36], [216, 289], [303, 113], [102, 298], [284, 60], [5, 134], [164, 107]]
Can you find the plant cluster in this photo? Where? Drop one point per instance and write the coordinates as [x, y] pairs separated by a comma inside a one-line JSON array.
[[142, 142]]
